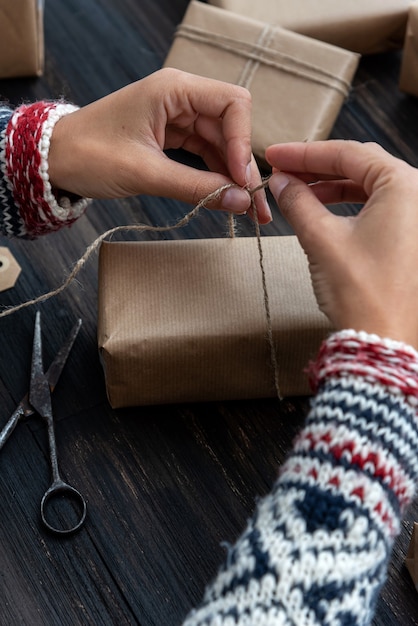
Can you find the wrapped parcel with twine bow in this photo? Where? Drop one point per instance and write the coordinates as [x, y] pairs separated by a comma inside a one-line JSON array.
[[298, 85]]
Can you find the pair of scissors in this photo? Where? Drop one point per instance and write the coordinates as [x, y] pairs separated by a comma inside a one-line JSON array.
[[38, 400]]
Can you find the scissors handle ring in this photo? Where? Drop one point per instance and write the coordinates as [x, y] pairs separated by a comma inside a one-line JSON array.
[[60, 487]]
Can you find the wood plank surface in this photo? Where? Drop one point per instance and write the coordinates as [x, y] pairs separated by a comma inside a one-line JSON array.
[[165, 485]]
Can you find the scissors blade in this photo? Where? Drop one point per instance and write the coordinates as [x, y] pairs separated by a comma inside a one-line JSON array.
[[39, 392], [24, 408], [54, 370], [16, 416]]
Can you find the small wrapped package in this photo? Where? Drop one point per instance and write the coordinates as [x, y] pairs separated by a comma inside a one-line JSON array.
[[366, 27], [185, 320], [408, 78], [21, 38], [298, 84]]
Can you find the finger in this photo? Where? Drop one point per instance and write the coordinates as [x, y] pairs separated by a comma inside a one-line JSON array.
[[205, 129], [213, 131], [308, 177], [167, 178], [361, 162], [262, 207], [339, 191], [232, 105], [261, 204], [209, 154], [301, 208], [331, 189], [212, 154]]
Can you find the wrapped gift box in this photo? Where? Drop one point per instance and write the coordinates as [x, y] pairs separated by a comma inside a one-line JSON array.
[[362, 26], [184, 320], [298, 84], [408, 79], [21, 38]]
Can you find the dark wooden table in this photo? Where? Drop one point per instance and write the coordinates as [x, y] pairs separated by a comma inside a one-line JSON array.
[[165, 485]]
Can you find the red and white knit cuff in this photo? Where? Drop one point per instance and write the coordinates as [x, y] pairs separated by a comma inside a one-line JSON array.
[[390, 363], [28, 137]]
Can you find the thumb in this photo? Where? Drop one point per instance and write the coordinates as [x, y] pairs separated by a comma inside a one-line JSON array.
[[172, 179], [299, 205]]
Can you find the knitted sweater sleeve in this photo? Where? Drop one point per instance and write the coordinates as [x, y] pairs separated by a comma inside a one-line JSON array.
[[317, 548], [29, 207]]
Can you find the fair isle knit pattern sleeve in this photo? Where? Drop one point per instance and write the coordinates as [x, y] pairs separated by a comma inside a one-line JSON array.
[[29, 207], [317, 548]]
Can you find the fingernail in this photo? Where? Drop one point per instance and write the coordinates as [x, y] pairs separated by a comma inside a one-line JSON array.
[[236, 200], [267, 210], [277, 183], [248, 173]]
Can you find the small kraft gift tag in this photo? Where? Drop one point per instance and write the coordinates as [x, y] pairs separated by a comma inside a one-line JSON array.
[[9, 269]]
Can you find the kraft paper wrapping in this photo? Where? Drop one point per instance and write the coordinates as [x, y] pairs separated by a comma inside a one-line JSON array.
[[411, 560], [184, 320], [9, 269], [408, 78], [21, 38], [298, 85], [366, 27]]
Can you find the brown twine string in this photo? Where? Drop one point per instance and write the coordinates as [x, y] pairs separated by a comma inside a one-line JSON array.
[[266, 56], [270, 338], [232, 226], [78, 266], [251, 66], [96, 243]]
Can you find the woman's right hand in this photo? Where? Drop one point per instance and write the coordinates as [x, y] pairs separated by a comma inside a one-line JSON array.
[[364, 269]]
